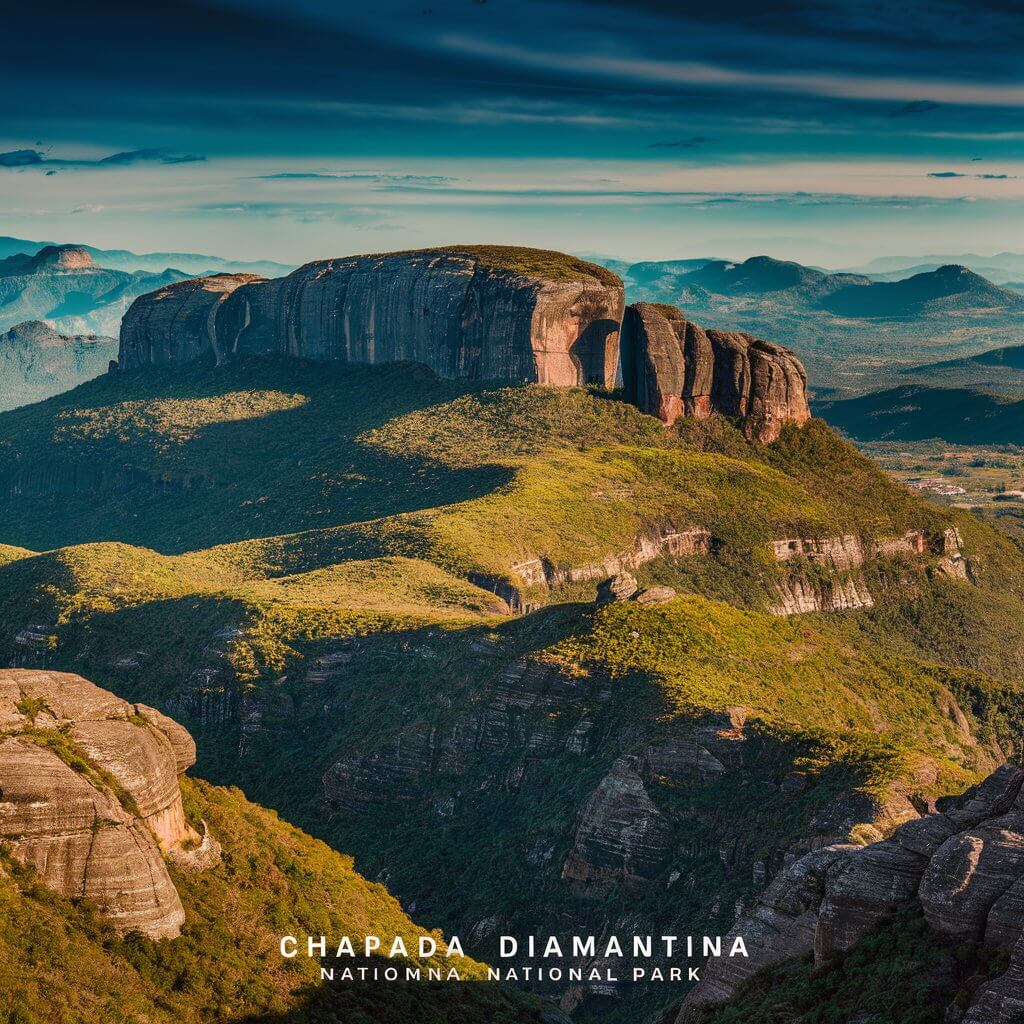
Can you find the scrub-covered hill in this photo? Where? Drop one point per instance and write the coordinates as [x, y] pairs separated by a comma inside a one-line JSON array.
[[370, 594], [126, 895]]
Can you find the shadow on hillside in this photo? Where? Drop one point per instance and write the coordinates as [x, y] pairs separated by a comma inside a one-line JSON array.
[[82, 473]]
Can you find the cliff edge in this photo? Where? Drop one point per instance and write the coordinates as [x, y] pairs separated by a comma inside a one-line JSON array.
[[672, 368], [476, 312], [89, 797]]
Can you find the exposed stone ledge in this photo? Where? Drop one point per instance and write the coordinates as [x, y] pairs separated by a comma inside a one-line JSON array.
[[89, 796], [964, 866]]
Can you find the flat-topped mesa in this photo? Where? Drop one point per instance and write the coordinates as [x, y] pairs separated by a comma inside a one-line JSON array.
[[476, 312], [673, 368], [91, 800]]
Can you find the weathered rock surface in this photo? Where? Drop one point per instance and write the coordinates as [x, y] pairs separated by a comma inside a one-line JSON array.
[[672, 368], [89, 796], [620, 833], [845, 588], [617, 588], [963, 865], [178, 323], [472, 312]]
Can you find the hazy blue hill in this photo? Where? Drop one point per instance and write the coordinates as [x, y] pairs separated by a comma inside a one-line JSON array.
[[917, 412], [951, 288], [190, 263], [67, 287], [36, 362]]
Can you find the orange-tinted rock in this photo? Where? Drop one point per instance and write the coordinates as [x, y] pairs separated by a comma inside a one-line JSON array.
[[672, 368]]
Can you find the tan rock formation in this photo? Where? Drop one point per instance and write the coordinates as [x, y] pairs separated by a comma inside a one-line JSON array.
[[89, 796], [477, 312], [673, 368]]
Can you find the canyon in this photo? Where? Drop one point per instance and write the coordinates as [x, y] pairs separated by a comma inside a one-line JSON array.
[[962, 865]]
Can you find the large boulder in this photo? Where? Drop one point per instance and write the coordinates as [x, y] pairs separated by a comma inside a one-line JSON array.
[[89, 796], [477, 312], [673, 368]]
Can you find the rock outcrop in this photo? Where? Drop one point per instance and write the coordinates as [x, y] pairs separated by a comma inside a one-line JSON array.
[[177, 323], [673, 368], [476, 312], [964, 866], [89, 797]]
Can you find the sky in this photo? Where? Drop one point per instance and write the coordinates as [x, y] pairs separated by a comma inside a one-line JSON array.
[[826, 132]]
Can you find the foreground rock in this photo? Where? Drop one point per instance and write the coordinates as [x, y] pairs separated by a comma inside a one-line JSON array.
[[89, 797], [477, 312], [964, 866], [672, 368]]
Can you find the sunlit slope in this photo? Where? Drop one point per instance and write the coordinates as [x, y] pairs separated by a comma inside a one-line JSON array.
[[62, 963]]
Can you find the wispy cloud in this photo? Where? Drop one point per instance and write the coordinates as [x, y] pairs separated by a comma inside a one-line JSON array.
[[695, 73], [691, 143]]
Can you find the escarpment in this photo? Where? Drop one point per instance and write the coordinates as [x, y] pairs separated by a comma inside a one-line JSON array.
[[89, 796], [176, 323], [963, 867], [476, 312], [673, 368]]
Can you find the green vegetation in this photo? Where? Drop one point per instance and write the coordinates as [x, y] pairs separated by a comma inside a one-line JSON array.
[[546, 263], [903, 973], [60, 962], [281, 555]]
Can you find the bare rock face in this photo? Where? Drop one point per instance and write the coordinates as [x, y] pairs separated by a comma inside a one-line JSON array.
[[472, 312], [621, 833], [673, 368], [620, 587], [963, 866], [89, 796], [177, 323]]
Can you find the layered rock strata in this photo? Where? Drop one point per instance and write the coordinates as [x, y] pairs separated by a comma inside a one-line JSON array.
[[472, 312], [964, 867], [843, 557], [89, 796], [673, 368]]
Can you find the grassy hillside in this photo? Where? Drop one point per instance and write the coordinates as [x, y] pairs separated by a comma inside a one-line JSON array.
[[282, 556], [62, 963]]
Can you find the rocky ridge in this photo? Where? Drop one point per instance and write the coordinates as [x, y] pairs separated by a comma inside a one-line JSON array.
[[89, 797], [673, 368], [482, 313], [468, 311], [963, 865]]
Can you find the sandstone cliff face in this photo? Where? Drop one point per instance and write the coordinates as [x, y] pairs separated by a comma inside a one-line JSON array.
[[672, 368], [964, 866], [177, 323], [466, 312], [89, 796]]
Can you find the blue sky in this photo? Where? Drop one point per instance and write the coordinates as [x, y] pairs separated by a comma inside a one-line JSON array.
[[826, 132]]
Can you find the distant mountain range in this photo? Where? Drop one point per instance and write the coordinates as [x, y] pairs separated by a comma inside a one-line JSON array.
[[1000, 370], [917, 413], [37, 362], [1002, 268], [190, 264], [850, 329], [66, 287]]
